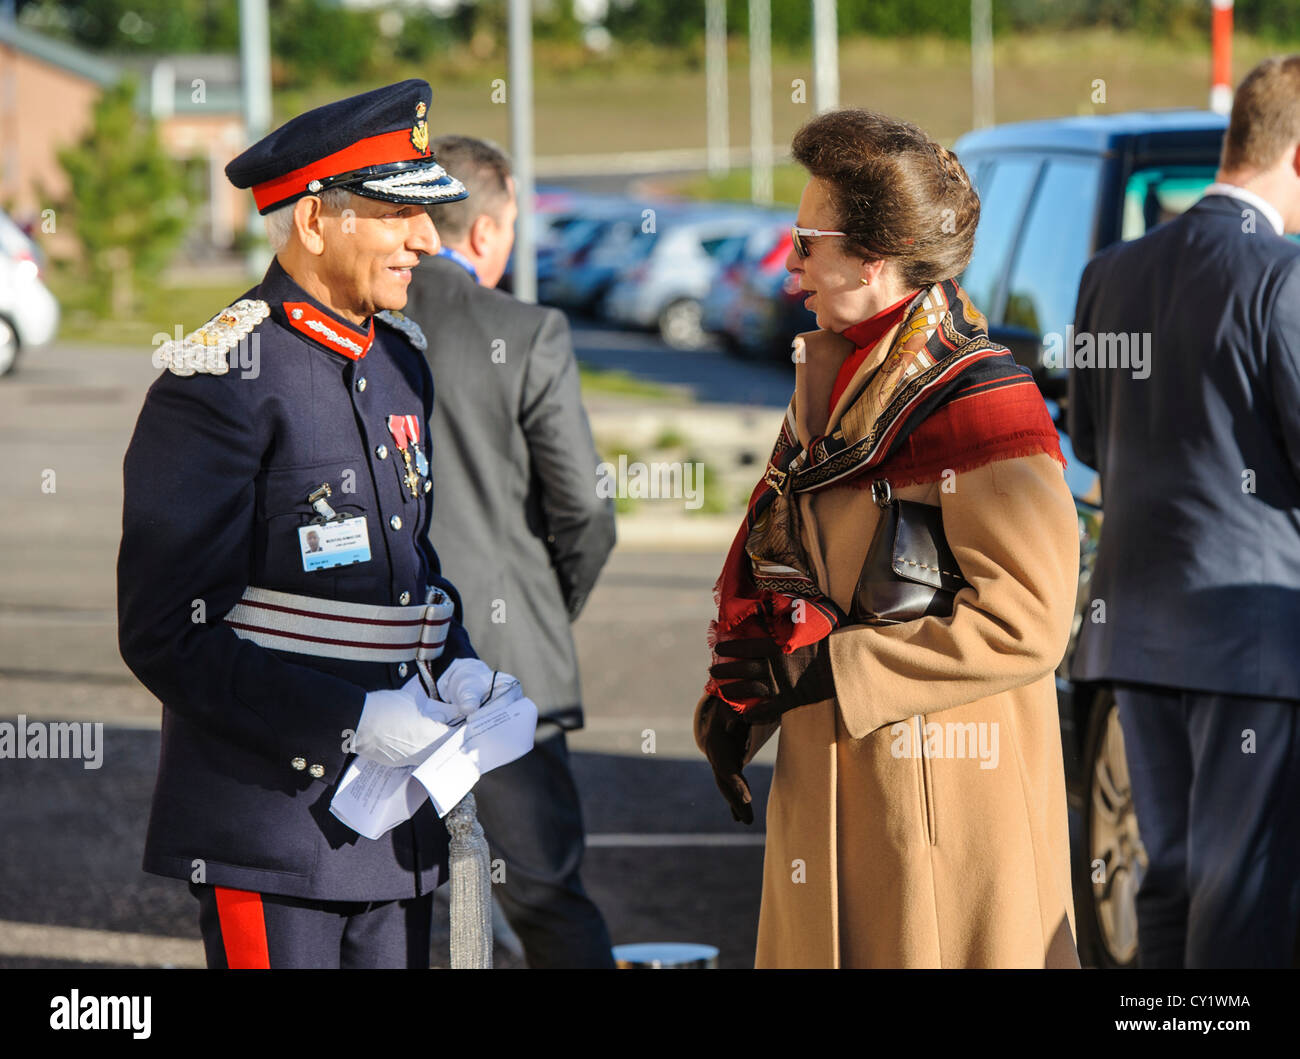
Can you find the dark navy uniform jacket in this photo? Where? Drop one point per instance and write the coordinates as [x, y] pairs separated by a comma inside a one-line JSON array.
[[216, 483]]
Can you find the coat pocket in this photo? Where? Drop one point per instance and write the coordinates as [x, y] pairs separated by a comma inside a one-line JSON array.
[[926, 781]]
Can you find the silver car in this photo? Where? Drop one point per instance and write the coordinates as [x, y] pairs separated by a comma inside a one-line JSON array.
[[665, 289]]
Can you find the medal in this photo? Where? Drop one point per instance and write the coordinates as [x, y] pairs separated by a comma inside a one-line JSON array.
[[400, 427], [413, 432]]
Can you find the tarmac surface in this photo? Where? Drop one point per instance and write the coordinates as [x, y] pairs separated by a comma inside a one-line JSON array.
[[665, 862]]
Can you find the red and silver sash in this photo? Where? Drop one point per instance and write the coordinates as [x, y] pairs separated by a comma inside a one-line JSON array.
[[331, 628]]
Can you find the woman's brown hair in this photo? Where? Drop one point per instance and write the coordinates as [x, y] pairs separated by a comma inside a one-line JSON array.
[[897, 193]]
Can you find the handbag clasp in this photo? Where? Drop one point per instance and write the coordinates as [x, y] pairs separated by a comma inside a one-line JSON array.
[[882, 493]]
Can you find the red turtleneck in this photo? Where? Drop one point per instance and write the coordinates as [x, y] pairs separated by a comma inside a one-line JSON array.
[[864, 336]]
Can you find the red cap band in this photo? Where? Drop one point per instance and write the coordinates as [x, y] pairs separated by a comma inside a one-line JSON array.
[[395, 146]]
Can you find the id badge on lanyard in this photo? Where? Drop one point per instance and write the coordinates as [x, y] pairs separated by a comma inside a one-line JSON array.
[[331, 539]]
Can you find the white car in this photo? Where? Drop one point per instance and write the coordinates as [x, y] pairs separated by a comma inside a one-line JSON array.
[[29, 313]]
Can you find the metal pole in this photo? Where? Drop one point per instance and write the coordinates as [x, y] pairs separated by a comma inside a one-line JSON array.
[[255, 66], [826, 57], [1221, 47], [520, 94], [715, 73], [760, 100], [9, 107], [981, 62]]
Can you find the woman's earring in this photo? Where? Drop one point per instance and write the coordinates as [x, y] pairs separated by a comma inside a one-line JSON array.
[[865, 282]]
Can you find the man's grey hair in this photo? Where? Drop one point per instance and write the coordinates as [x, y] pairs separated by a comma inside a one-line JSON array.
[[484, 169], [279, 223]]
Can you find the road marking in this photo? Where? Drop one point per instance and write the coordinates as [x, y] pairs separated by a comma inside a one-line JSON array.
[[80, 945], [617, 840]]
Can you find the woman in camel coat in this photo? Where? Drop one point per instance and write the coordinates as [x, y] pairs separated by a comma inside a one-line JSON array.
[[917, 813]]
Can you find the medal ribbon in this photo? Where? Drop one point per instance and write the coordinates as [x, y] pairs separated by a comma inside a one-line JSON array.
[[398, 426], [406, 430]]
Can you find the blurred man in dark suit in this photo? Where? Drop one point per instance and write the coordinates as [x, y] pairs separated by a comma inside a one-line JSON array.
[[525, 532], [1198, 567]]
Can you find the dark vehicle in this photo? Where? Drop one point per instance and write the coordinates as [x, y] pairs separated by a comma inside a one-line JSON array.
[[768, 309], [595, 250], [1052, 194]]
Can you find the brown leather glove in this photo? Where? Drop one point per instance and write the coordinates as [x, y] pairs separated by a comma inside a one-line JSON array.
[[761, 670], [724, 734]]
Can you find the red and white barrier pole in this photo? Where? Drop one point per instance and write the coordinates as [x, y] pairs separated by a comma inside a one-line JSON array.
[[1221, 50]]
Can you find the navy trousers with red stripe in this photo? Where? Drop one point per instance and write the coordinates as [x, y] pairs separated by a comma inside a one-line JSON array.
[[242, 929]]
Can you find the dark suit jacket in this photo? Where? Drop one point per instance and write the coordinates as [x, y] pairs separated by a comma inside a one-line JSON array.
[[1199, 559], [519, 526]]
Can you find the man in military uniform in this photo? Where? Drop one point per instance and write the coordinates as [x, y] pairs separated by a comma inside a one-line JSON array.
[[276, 588]]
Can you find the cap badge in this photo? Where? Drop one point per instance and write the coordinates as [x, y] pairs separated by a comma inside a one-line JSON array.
[[420, 130]]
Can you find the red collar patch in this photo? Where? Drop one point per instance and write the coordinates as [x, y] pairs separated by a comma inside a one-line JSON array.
[[331, 333]]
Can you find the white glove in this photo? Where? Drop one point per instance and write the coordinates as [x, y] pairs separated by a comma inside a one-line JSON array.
[[430, 707], [466, 682], [393, 730]]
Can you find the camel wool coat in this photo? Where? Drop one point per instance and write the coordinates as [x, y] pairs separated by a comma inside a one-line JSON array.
[[919, 819]]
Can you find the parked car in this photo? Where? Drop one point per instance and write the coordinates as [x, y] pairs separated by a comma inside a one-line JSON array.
[[762, 252], [769, 309], [610, 235], [664, 290], [29, 313], [556, 210], [1053, 193]]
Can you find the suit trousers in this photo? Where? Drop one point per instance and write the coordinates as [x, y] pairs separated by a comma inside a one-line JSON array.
[[532, 818], [242, 929], [1216, 787]]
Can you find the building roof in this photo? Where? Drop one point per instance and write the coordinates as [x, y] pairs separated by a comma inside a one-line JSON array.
[[168, 83], [68, 57]]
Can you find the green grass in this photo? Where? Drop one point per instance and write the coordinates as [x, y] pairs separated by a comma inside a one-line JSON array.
[[670, 438], [160, 309], [787, 185], [649, 99], [645, 98], [607, 381]]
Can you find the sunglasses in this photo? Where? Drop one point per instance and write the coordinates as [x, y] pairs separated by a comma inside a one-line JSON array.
[[798, 235]]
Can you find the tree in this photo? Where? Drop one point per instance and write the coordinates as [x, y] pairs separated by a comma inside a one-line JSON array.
[[127, 201]]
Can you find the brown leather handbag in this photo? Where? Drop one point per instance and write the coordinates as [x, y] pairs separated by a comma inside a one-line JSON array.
[[910, 571]]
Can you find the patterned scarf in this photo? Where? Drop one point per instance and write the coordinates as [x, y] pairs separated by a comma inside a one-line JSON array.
[[945, 398]]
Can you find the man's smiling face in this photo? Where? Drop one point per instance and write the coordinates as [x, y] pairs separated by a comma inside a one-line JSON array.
[[370, 249]]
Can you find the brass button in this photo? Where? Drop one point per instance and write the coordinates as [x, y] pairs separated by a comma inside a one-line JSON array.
[[316, 771], [382, 452], [361, 384], [299, 763], [428, 484], [404, 598], [395, 522]]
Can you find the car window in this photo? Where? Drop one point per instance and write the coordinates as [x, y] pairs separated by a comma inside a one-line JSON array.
[[1055, 247], [621, 242], [725, 250], [1005, 188], [1153, 196]]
